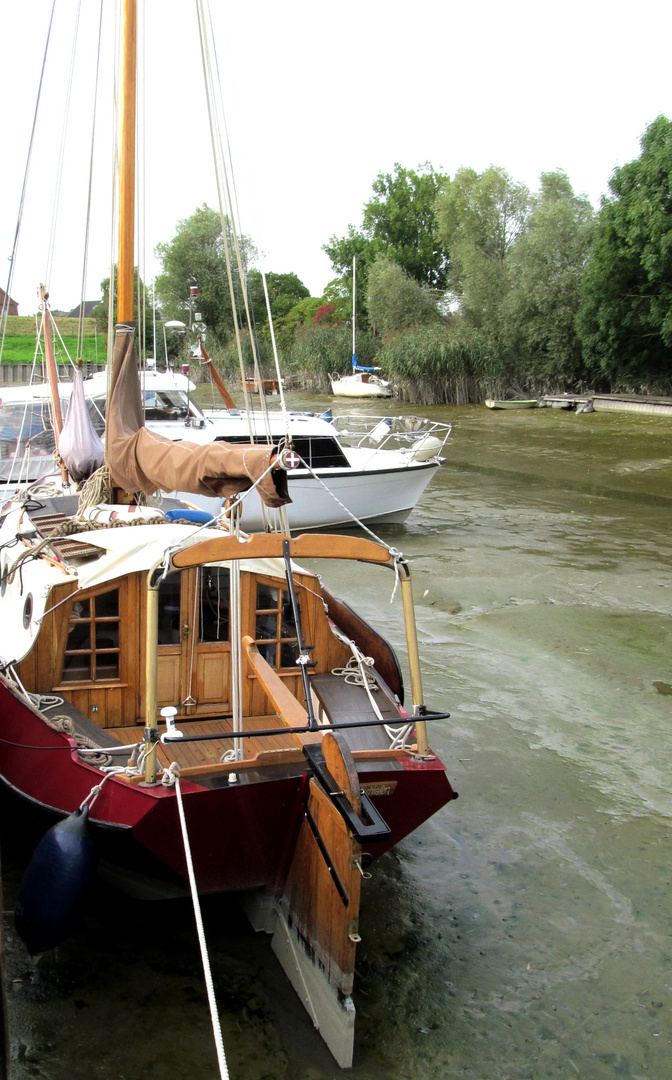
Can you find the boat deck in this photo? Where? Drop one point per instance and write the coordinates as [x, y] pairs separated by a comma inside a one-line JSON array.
[[209, 752], [335, 700]]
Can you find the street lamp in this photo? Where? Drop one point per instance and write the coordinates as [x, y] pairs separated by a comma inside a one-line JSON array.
[[179, 328]]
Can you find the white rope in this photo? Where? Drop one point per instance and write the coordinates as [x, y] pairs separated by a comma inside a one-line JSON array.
[[216, 1029], [94, 793]]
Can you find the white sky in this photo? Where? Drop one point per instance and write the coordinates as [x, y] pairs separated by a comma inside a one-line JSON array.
[[319, 99]]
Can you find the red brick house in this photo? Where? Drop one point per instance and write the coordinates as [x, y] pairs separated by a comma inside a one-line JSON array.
[[12, 306]]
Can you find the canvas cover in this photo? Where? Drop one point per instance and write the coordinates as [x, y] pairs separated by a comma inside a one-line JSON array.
[[141, 460]]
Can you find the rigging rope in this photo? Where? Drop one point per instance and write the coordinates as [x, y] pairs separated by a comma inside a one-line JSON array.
[[220, 168], [61, 153], [85, 261], [227, 212], [10, 277], [281, 389]]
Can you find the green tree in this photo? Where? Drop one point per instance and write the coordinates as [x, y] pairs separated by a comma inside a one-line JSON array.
[[285, 291], [354, 245], [396, 301], [625, 319], [546, 263], [399, 222], [196, 256], [301, 314], [479, 217]]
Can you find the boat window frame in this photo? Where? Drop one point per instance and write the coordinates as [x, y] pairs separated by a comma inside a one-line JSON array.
[[97, 676], [279, 640]]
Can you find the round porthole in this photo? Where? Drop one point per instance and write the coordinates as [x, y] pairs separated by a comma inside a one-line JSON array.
[[27, 611]]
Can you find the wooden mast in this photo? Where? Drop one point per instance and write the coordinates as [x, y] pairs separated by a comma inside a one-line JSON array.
[[129, 35], [125, 290]]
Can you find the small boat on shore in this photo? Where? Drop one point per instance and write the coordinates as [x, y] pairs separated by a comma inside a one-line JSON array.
[[361, 383], [503, 403], [260, 385]]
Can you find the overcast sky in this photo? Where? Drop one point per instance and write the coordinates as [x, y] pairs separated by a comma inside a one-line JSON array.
[[319, 99]]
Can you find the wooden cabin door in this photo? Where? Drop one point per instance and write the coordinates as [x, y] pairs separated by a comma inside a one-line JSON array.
[[194, 651]]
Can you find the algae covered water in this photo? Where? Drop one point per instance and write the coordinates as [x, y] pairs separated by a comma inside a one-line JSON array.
[[525, 931]]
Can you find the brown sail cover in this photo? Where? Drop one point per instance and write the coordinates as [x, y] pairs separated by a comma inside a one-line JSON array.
[[141, 460]]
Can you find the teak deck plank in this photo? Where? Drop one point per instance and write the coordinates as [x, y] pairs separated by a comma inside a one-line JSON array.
[[208, 753]]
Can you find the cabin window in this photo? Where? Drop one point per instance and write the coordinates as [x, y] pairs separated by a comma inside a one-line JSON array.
[[96, 408], [165, 405], [212, 607], [169, 610], [92, 648], [213, 599], [319, 452], [275, 632]]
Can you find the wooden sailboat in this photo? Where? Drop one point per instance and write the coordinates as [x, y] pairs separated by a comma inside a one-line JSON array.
[[121, 621]]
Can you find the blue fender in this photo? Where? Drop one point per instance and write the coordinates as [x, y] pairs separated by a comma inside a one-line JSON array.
[[55, 883]]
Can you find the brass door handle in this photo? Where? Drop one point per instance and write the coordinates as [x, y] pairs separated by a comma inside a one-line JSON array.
[[185, 630]]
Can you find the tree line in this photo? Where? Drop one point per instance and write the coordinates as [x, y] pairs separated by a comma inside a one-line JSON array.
[[467, 287]]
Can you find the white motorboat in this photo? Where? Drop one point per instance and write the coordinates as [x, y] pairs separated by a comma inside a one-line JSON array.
[[352, 469]]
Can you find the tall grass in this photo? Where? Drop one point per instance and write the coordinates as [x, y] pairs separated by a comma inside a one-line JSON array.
[[436, 366]]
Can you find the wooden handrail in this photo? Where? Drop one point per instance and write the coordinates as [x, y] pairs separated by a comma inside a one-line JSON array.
[[290, 711], [270, 546]]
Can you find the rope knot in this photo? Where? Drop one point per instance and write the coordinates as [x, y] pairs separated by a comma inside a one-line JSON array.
[[171, 775]]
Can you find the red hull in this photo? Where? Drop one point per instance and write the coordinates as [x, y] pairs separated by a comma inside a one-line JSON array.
[[242, 835]]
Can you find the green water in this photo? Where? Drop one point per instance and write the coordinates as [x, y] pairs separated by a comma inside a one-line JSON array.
[[525, 931]]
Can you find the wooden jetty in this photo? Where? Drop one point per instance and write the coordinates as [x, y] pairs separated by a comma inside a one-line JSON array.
[[637, 403], [660, 406]]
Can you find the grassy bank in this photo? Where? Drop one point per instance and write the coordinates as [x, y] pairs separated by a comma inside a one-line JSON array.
[[20, 338]]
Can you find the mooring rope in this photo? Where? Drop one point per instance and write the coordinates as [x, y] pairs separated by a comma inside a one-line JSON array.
[[66, 726], [172, 778]]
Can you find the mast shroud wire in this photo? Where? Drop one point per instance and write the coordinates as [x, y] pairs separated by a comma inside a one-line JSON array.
[[61, 153], [217, 124], [85, 261], [19, 219]]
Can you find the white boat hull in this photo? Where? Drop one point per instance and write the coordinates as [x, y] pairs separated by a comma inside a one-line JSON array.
[[354, 386], [382, 496], [367, 469]]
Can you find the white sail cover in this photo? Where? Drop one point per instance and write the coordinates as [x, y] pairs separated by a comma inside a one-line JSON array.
[[81, 450]]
